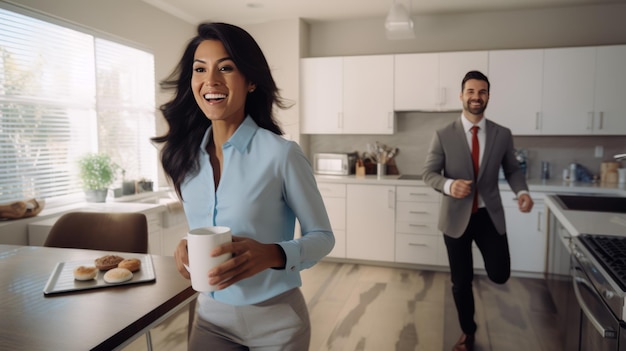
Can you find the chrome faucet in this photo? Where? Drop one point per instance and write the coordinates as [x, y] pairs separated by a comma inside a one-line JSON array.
[[619, 157]]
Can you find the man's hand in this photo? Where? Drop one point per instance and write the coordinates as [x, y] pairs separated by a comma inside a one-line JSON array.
[[525, 203], [460, 188]]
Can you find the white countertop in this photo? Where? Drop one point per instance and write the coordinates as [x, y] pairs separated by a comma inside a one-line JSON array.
[[586, 222], [548, 186]]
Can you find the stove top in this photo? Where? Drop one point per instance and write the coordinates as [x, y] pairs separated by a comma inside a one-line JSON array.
[[610, 252]]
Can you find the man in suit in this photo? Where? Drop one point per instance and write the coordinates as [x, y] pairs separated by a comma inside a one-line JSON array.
[[464, 166]]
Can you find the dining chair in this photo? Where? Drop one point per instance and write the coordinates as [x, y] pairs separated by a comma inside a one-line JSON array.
[[106, 231]]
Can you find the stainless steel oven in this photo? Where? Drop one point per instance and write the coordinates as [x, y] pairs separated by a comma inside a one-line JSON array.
[[597, 270]]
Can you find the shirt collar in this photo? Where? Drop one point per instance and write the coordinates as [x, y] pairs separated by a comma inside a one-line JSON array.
[[243, 135], [467, 125], [240, 139]]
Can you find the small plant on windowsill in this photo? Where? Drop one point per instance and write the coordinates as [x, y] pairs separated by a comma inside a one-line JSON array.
[[97, 172]]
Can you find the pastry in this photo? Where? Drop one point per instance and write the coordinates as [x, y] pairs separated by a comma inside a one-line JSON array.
[[132, 264], [85, 272], [107, 262], [117, 275]]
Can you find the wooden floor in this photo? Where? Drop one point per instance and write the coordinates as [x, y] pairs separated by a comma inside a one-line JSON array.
[[356, 307]]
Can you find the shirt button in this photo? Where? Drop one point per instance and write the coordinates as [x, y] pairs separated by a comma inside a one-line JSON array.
[[292, 268]]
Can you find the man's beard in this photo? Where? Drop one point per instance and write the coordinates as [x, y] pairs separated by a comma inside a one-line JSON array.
[[476, 110]]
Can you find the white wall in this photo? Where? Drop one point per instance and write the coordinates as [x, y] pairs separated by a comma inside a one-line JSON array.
[[557, 27], [281, 42]]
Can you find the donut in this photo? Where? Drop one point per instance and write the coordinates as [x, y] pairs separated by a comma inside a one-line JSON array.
[[107, 262], [132, 264], [117, 275], [85, 272]]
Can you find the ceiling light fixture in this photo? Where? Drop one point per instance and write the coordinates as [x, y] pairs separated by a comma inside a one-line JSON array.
[[399, 24]]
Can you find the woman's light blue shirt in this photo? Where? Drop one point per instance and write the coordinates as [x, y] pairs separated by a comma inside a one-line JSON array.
[[266, 183]]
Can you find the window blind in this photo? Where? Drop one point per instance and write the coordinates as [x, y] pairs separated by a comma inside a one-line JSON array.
[[64, 93]]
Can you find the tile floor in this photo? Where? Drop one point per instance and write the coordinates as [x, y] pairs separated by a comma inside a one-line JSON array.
[[359, 307]]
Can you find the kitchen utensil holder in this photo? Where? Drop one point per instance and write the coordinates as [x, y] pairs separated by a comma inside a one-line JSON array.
[[381, 169]]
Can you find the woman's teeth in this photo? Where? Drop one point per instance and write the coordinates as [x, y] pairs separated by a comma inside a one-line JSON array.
[[214, 96]]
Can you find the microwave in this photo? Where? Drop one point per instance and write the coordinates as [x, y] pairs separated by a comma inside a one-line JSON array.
[[334, 163]]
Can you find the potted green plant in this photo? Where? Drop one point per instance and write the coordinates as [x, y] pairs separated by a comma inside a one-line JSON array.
[[97, 172]]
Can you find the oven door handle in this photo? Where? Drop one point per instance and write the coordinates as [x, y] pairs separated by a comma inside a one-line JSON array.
[[607, 333]]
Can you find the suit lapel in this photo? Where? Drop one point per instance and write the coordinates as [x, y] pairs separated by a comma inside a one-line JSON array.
[[461, 134], [490, 140]]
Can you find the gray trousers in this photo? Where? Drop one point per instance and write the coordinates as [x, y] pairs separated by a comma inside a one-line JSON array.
[[280, 323]]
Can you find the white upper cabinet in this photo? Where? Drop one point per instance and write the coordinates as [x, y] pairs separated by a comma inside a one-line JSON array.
[[368, 95], [516, 89], [321, 98], [564, 91], [416, 82], [610, 96], [432, 82], [568, 91], [347, 95], [560, 91]]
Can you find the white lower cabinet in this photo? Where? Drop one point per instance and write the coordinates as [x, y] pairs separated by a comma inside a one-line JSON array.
[[526, 233], [370, 227], [417, 238], [390, 223], [334, 196]]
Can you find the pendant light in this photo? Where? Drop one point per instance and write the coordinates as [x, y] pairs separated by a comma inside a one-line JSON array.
[[399, 24]]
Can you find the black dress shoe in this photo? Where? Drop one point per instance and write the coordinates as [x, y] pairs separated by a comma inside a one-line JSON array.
[[465, 343]]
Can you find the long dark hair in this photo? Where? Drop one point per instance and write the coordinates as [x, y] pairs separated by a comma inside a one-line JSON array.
[[187, 123]]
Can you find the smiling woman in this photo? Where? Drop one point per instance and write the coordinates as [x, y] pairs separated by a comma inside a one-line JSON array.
[[65, 92]]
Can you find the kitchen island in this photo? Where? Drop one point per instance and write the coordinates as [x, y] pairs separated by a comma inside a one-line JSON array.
[[563, 260]]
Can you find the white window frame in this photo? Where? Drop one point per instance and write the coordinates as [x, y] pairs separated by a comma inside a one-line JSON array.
[[51, 114]]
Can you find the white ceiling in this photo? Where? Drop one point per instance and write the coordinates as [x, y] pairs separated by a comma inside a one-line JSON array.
[[242, 12]]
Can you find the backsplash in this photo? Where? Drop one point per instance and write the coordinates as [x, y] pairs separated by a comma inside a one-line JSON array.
[[415, 129]]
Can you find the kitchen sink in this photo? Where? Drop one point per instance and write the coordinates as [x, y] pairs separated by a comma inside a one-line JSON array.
[[590, 203]]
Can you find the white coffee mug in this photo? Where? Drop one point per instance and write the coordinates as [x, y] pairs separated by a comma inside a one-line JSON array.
[[200, 242]]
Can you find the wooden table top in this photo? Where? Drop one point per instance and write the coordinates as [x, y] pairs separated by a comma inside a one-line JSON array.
[[98, 319]]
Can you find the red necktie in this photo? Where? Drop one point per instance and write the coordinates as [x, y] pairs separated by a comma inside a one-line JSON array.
[[475, 155]]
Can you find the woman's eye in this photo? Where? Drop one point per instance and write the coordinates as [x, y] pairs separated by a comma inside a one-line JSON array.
[[198, 69], [226, 69]]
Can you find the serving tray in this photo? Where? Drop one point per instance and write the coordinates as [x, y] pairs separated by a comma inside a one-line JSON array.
[[62, 277]]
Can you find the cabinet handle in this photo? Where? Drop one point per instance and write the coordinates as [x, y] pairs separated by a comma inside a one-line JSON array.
[[538, 121], [391, 199], [417, 225], [418, 194], [590, 120], [600, 120], [539, 216], [417, 244], [418, 212]]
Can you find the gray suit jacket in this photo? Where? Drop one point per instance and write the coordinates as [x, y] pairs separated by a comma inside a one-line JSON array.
[[450, 157]]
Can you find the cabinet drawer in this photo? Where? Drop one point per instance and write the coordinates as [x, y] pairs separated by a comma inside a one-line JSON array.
[[332, 190], [420, 249], [417, 212], [425, 228], [417, 194]]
